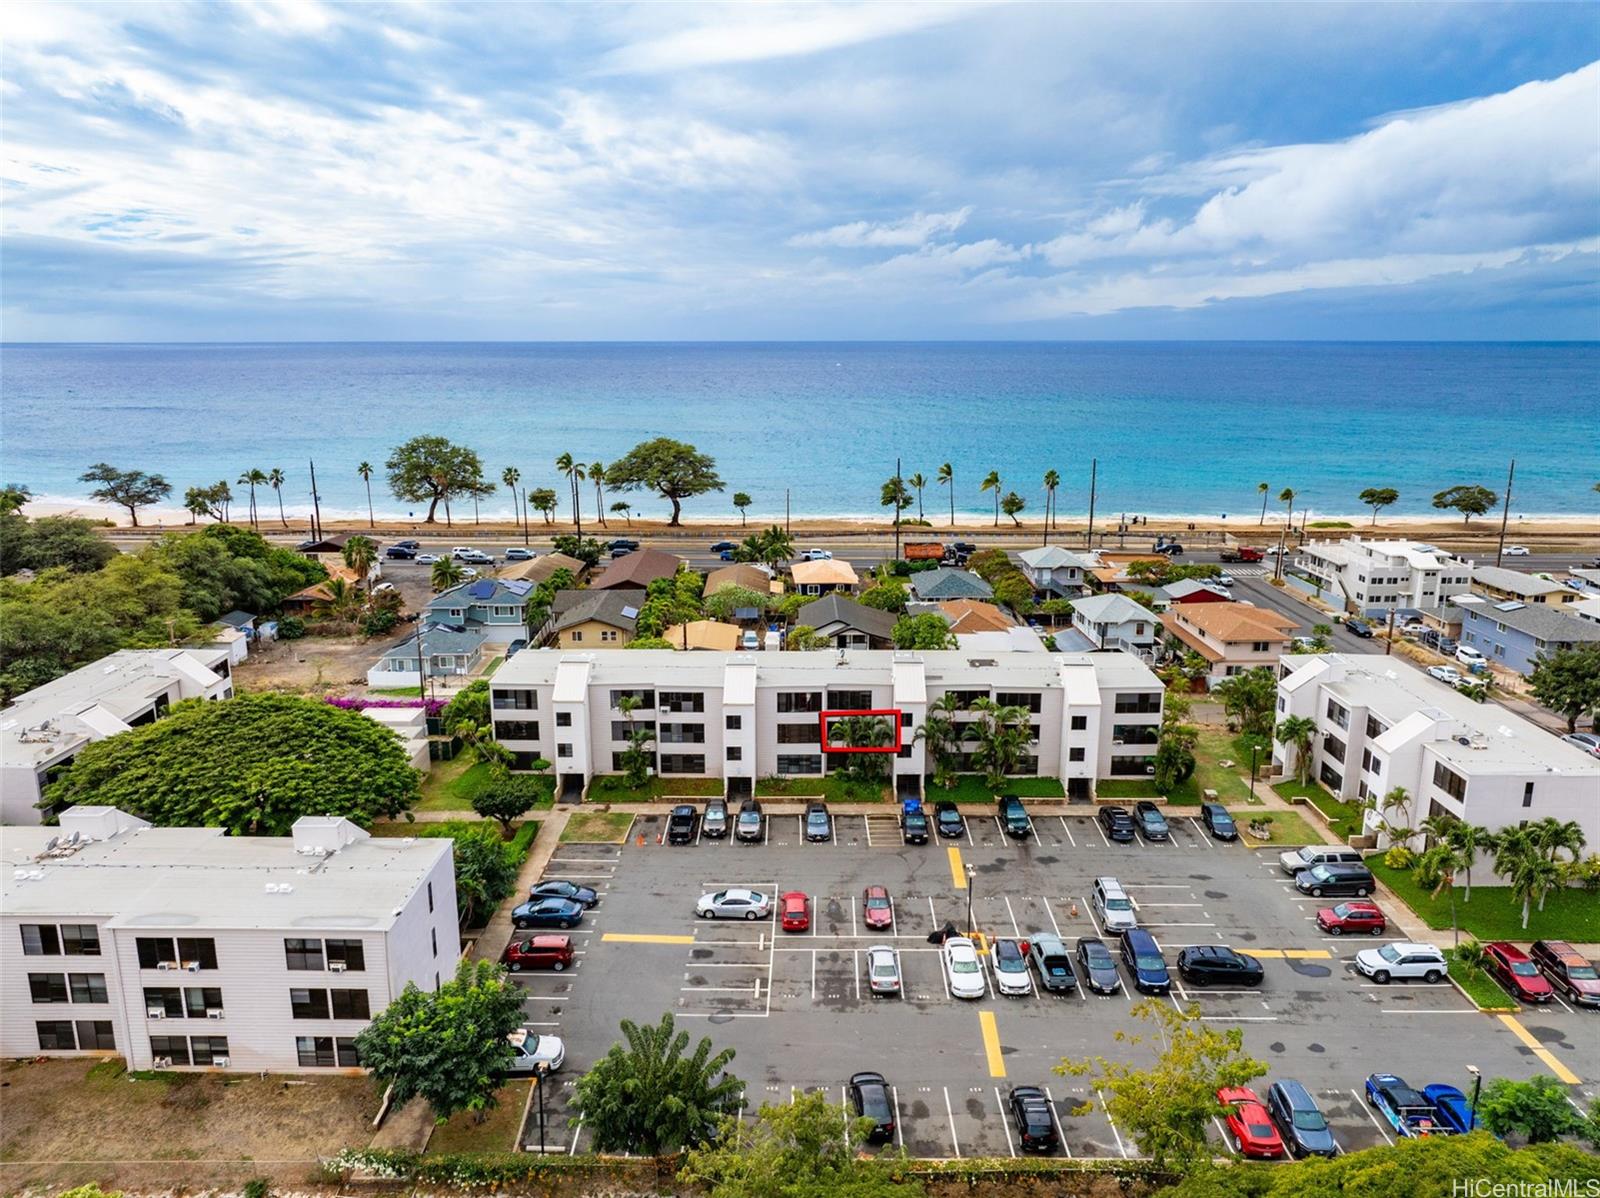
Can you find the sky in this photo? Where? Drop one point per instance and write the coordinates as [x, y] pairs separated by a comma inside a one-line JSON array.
[[283, 170]]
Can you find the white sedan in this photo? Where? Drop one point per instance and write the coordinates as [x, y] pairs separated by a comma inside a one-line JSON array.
[[1446, 674], [427, 559], [535, 1053], [734, 904], [1516, 551], [963, 972]]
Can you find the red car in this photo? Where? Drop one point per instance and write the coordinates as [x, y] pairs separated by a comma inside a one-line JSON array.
[[1515, 970], [796, 911], [538, 952], [1352, 917], [877, 908], [1249, 1124]]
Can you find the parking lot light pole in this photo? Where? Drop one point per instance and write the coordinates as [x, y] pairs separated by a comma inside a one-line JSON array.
[[972, 874], [539, 1074], [1254, 749], [1477, 1085]]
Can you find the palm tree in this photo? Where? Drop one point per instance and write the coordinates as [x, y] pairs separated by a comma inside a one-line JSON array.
[[250, 478], [1436, 869], [1520, 860], [938, 732], [1298, 731], [359, 554], [1287, 496], [1467, 841], [275, 480], [445, 574], [597, 475], [623, 508], [1399, 799], [1003, 738], [1264, 488], [573, 469], [511, 476], [947, 478], [14, 495], [365, 471], [917, 482], [1552, 835], [992, 483], [1052, 480], [344, 601]]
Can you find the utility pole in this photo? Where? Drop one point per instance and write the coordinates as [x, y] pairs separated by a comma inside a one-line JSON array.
[[786, 511], [1388, 645], [316, 506], [1094, 465], [897, 486], [1505, 513]]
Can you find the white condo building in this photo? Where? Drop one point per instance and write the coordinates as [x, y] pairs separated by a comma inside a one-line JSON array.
[[1371, 577], [743, 716], [1382, 723], [183, 947]]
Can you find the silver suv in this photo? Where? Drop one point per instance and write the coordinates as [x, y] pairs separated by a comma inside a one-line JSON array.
[[1114, 905]]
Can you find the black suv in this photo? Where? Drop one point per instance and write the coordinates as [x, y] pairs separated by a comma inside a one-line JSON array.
[[1335, 879], [1118, 824], [681, 824], [869, 1094], [1210, 964], [1030, 1107], [399, 553]]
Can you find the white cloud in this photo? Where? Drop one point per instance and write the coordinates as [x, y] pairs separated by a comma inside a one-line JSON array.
[[914, 230]]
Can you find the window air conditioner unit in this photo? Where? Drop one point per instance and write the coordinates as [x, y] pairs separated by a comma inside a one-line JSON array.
[[213, 1012], [161, 1063], [192, 966], [1116, 742], [220, 1062], [337, 967], [165, 966], [155, 1012]]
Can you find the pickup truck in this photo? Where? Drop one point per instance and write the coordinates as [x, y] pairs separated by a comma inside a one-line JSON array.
[[1241, 553], [1015, 817], [923, 551]]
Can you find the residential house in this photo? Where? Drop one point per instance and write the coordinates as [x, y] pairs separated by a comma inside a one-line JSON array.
[[308, 601], [1382, 724], [1058, 573], [709, 635], [973, 615], [1587, 581], [410, 726], [1113, 621], [743, 716], [1586, 609], [440, 652], [1112, 574], [946, 582], [746, 575], [1233, 637], [1019, 638], [235, 632], [1513, 586], [592, 619], [847, 624], [539, 570], [637, 570], [1188, 590], [42, 730], [824, 577], [330, 552], [495, 607], [1370, 577], [187, 948], [1515, 635]]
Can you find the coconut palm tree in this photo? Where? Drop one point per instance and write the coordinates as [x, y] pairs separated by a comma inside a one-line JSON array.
[[1052, 480], [1399, 799], [1298, 731], [1552, 835], [445, 574], [917, 482], [573, 469], [275, 480], [597, 475], [1264, 488], [359, 554], [250, 478], [1003, 739], [947, 478], [511, 476], [939, 734], [1530, 875], [992, 483], [365, 471], [1287, 496], [344, 602], [1468, 840]]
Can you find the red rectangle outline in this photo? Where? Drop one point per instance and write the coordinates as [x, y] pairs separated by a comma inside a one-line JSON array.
[[822, 722]]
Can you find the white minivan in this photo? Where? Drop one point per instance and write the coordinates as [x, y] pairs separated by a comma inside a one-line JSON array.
[[1469, 656]]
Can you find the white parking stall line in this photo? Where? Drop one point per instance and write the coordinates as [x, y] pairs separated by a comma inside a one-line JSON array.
[[1102, 834], [949, 1111], [1121, 1147], [932, 915], [894, 919], [1222, 1132], [1061, 1132], [1200, 832], [813, 977], [867, 820], [699, 827], [816, 913], [1000, 828], [1564, 1006], [967, 827], [844, 1109], [1382, 1131], [899, 1121], [576, 1132], [1050, 911], [855, 969], [1089, 911], [1005, 1122], [852, 903], [1015, 930]]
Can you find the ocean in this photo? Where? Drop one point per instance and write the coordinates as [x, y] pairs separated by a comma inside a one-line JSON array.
[[1177, 428]]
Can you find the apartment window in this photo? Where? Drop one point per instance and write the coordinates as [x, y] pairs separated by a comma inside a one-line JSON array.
[[1135, 734], [1333, 747], [733, 723], [96, 1034], [167, 999], [303, 954], [793, 701], [1338, 714], [201, 951], [516, 700], [350, 1004], [905, 751], [1033, 701], [433, 939], [905, 719], [1331, 777], [40, 940], [1138, 703], [683, 763], [1375, 727], [734, 753], [799, 763], [680, 702], [352, 954], [618, 765], [517, 729], [88, 987], [156, 951], [1075, 754], [208, 1048], [1527, 794], [48, 987], [646, 698], [1122, 767], [1447, 780], [965, 699], [80, 940], [563, 750], [56, 1035], [683, 734], [201, 999], [850, 700], [1080, 723], [1260, 646], [620, 729], [308, 1004], [315, 1051], [563, 719], [173, 1049], [799, 734]]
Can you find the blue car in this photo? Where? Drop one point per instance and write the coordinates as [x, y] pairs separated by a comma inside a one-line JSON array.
[[547, 913], [1142, 956], [1451, 1104], [1409, 1113]]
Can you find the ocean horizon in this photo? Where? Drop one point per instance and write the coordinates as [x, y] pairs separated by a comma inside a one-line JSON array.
[[1177, 428]]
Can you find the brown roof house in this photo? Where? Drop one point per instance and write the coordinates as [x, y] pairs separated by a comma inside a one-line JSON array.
[[972, 615], [742, 574], [1233, 637], [703, 634], [541, 568], [637, 569], [593, 619], [824, 577]]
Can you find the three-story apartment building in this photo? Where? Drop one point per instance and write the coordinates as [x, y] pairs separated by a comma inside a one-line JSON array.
[[1371, 577]]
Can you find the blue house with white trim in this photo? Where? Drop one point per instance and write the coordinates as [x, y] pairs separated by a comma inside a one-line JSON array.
[[496, 608], [1514, 634]]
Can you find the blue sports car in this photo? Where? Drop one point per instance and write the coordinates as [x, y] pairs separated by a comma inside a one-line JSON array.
[[1408, 1112], [1451, 1105]]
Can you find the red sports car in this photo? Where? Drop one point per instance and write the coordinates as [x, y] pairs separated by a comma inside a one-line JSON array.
[[877, 909], [1352, 917], [796, 911], [1515, 970], [1249, 1124]]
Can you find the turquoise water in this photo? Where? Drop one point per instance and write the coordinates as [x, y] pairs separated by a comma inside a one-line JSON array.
[[1177, 427]]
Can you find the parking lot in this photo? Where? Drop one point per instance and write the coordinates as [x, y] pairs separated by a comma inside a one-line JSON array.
[[798, 1011]]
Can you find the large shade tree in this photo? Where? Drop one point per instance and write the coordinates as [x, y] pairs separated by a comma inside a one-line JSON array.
[[131, 489], [675, 470], [433, 470]]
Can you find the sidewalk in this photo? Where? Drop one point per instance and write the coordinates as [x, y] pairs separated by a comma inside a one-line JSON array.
[[496, 934]]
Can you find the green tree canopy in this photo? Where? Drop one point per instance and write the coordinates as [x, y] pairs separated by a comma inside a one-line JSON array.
[[675, 470], [1249, 699], [1011, 504], [927, 631], [1536, 1109], [224, 568], [507, 796], [210, 501], [803, 637], [1378, 498], [1470, 501], [469, 706], [742, 500], [1568, 682], [585, 549], [51, 541], [885, 596], [486, 873], [543, 501], [447, 1047], [728, 600], [433, 469], [132, 489], [252, 764]]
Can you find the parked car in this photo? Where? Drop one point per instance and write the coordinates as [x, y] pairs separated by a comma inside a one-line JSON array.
[[1469, 657], [1452, 1108], [1144, 961], [819, 824], [1587, 741], [734, 903], [870, 1097], [1036, 1126], [1116, 823], [584, 896], [723, 547], [749, 641], [1516, 972], [476, 557], [1053, 963], [947, 818], [519, 554], [883, 969], [1010, 966], [1568, 971], [1098, 969], [426, 559], [1225, 580], [714, 823], [877, 908], [1448, 675], [1218, 822], [1352, 917], [963, 973], [913, 822], [1409, 1113], [1152, 824], [795, 906], [1216, 964], [1402, 959], [1447, 646], [1299, 1120], [1014, 817], [396, 553], [414, 546], [748, 826], [1249, 1125], [547, 913], [534, 1054], [1516, 551], [1334, 880], [616, 553], [816, 555], [1114, 905], [626, 544], [681, 824], [1294, 861], [538, 952], [515, 647]]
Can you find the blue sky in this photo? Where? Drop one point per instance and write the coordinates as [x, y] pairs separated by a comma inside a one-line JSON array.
[[269, 170]]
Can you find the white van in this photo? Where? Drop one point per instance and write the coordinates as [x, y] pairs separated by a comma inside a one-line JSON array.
[[1293, 861], [1469, 656], [1114, 905]]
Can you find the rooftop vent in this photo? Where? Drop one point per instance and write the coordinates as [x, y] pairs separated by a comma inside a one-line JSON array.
[[979, 663]]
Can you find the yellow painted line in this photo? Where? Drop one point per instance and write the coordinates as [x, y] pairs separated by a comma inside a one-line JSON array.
[[991, 1044], [1539, 1050], [958, 875], [635, 938], [1289, 954]]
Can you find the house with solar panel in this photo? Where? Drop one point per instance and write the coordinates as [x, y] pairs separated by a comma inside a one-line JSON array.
[[495, 608]]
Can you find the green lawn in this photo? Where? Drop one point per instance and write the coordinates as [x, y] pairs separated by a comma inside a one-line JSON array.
[[971, 788], [1117, 788], [1343, 817], [495, 1132], [597, 827], [614, 788], [399, 692], [452, 785], [834, 790], [1289, 828], [1215, 745], [488, 670], [1570, 914], [1480, 987]]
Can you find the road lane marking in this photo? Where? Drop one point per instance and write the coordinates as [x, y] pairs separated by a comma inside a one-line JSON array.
[[1539, 1050], [991, 1043], [958, 875], [641, 938]]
